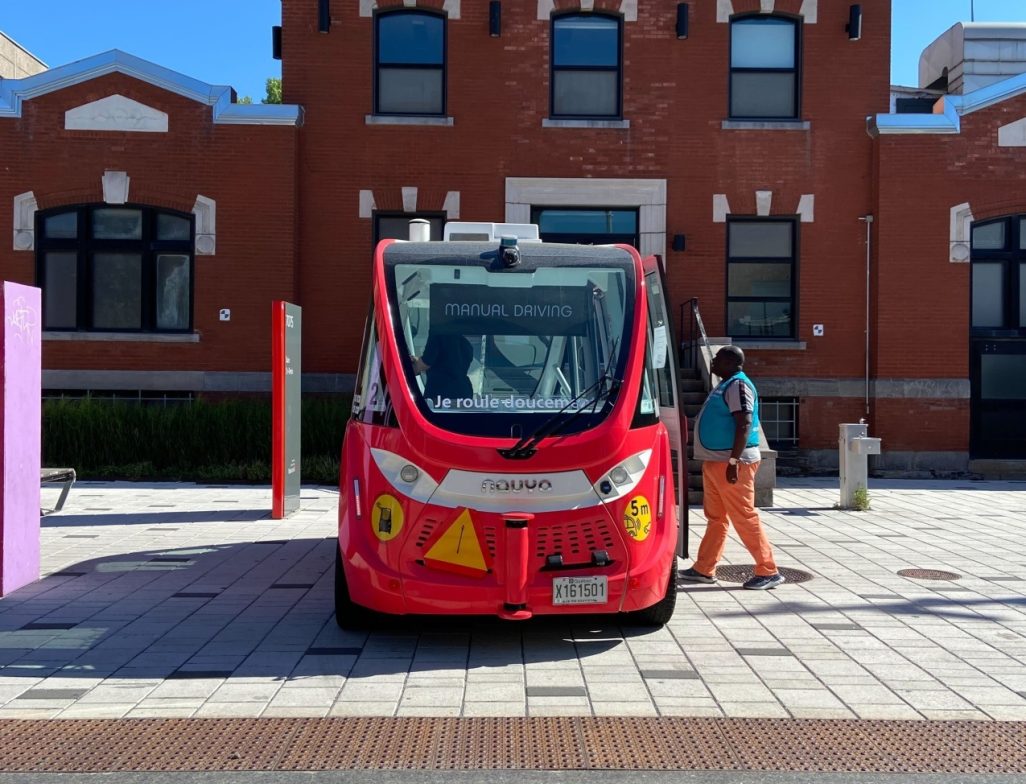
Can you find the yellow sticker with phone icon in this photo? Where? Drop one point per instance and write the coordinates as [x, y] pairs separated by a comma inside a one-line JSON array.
[[386, 517]]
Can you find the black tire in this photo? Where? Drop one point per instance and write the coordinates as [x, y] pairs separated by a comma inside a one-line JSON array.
[[348, 615], [660, 613]]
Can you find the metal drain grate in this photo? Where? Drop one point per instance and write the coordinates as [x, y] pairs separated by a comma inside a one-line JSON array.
[[739, 573], [539, 743], [928, 574]]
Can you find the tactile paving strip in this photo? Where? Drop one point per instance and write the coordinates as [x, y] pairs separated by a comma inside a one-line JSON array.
[[542, 743], [740, 573], [657, 744]]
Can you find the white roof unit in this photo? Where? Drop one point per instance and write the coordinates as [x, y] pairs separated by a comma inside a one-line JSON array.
[[485, 232]]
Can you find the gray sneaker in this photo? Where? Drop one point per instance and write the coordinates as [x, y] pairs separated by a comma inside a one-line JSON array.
[[692, 576], [764, 582]]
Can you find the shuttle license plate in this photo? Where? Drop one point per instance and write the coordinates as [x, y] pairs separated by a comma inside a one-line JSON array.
[[580, 590]]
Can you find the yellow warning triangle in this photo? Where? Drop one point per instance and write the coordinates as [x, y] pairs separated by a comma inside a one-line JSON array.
[[458, 549]]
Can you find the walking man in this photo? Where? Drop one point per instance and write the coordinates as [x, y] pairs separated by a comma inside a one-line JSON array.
[[727, 443]]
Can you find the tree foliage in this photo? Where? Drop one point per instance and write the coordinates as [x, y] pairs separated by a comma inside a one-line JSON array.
[[273, 91], [273, 88]]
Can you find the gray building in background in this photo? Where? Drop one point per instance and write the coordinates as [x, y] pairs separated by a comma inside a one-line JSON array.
[[16, 62]]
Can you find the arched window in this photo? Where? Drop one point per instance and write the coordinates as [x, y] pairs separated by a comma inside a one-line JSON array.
[[764, 72], [409, 49], [586, 70], [115, 268]]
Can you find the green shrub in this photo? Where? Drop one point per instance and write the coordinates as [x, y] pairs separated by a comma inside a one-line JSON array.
[[860, 499], [224, 440]]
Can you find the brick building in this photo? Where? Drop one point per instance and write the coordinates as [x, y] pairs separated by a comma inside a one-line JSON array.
[[730, 138]]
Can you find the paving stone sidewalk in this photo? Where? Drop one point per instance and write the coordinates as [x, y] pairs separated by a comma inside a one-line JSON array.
[[176, 600]]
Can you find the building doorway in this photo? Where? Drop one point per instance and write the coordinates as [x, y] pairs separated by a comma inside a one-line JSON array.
[[997, 372]]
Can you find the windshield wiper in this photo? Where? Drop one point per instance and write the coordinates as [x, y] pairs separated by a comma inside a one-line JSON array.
[[526, 446]]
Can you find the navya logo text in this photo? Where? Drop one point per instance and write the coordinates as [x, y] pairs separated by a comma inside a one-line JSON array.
[[515, 486]]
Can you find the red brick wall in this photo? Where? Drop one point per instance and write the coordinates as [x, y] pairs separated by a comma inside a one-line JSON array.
[[921, 308], [921, 425], [249, 170], [675, 96]]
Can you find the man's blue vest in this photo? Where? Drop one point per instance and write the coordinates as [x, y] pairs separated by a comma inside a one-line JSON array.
[[716, 427]]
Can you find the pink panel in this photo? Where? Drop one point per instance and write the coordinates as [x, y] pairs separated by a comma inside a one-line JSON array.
[[20, 393]]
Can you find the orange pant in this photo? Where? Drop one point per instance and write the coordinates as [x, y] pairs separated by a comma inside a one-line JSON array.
[[723, 500]]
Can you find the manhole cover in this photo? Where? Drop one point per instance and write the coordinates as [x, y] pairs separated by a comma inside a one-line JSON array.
[[741, 573], [928, 574]]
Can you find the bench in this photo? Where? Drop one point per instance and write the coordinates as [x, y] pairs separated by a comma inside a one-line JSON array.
[[65, 475]]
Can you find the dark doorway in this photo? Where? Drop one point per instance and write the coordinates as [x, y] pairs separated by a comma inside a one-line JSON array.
[[997, 369]]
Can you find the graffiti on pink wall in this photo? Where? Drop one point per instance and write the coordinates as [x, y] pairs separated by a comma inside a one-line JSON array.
[[20, 393]]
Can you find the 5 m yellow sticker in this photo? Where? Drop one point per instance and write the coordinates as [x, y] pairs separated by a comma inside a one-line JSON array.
[[637, 518], [386, 517]]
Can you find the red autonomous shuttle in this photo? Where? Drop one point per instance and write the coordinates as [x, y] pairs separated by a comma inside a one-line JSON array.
[[515, 446]]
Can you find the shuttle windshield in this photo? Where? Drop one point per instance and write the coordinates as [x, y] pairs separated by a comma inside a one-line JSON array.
[[492, 351]]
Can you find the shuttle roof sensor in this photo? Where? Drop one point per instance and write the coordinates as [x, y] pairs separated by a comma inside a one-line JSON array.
[[509, 251]]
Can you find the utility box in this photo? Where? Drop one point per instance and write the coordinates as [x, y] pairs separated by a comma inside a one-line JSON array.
[[855, 445]]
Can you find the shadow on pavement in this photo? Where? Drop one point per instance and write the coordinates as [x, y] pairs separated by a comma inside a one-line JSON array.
[[225, 515], [941, 606], [253, 609]]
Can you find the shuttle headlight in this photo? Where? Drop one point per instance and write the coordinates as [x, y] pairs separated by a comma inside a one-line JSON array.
[[407, 479], [619, 476], [623, 477]]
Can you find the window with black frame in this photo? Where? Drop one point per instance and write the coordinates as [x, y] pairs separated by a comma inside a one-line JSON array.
[[409, 63], [587, 225], [761, 278], [586, 66], [999, 277], [764, 72], [115, 269], [778, 417]]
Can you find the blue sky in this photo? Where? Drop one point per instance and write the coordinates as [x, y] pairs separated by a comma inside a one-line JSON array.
[[229, 41]]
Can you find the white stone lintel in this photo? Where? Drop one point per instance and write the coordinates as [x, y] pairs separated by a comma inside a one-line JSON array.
[[452, 205], [809, 10], [960, 233], [806, 208], [1013, 134], [367, 204], [721, 208], [205, 210], [116, 113], [115, 186], [451, 7], [25, 221], [763, 202], [409, 199]]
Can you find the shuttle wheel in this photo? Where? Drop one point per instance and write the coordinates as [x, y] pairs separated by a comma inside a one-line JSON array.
[[348, 615], [659, 613]]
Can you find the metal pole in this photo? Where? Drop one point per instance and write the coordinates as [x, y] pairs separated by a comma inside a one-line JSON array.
[[869, 239]]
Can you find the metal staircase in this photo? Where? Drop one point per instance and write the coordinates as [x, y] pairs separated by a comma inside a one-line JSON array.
[[692, 395], [696, 353], [693, 385]]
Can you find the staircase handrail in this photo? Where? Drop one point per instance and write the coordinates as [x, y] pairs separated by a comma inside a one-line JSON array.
[[693, 338]]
